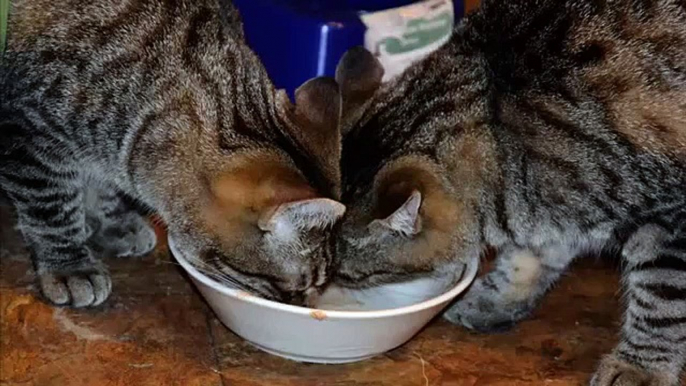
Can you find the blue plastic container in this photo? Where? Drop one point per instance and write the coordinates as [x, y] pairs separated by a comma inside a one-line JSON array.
[[300, 39]]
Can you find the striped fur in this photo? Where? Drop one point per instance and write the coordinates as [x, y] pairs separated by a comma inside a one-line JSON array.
[[546, 129], [162, 102]]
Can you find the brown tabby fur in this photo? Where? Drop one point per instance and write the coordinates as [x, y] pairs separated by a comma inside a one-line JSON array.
[[163, 101], [546, 129]]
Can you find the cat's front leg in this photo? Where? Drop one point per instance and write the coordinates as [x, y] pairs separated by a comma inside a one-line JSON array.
[[51, 217], [652, 349], [511, 291], [120, 229]]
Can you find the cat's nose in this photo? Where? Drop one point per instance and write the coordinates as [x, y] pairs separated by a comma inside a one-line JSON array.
[[306, 298], [312, 295], [295, 298]]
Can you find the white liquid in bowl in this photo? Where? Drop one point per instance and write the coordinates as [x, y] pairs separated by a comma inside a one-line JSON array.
[[386, 296]]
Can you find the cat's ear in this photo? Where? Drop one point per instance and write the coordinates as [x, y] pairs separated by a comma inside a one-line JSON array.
[[317, 116], [405, 220], [359, 75], [263, 190], [286, 219], [318, 106]]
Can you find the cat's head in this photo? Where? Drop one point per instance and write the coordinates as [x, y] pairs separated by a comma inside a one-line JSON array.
[[272, 230], [407, 216], [265, 217], [405, 225]]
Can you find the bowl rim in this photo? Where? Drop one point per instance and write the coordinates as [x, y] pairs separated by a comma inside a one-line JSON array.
[[468, 276]]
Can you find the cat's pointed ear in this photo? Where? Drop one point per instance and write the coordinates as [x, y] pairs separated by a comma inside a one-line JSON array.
[[359, 75], [288, 218], [318, 105], [405, 220], [317, 116]]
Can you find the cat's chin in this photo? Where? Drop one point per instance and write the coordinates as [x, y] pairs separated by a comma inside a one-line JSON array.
[[449, 271], [312, 296], [375, 281], [306, 298]]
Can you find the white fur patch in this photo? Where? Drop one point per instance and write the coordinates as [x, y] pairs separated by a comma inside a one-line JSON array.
[[526, 270]]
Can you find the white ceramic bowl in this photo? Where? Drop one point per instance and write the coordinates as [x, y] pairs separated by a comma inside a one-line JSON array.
[[385, 317]]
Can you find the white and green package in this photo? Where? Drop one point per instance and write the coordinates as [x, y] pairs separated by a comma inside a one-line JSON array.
[[400, 36]]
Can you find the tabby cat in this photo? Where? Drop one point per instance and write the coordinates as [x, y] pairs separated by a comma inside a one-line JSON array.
[[162, 102], [546, 129]]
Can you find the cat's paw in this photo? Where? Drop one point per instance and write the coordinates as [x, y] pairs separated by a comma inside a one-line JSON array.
[[87, 286], [615, 372], [479, 312], [128, 235]]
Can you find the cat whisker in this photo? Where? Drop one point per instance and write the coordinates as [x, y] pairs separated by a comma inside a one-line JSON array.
[[210, 271], [216, 274]]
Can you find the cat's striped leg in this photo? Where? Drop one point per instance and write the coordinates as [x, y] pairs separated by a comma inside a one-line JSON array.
[[119, 228], [511, 291], [652, 349], [48, 196]]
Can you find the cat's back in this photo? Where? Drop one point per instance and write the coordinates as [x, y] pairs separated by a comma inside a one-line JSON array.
[[530, 42], [626, 57], [88, 29], [97, 68]]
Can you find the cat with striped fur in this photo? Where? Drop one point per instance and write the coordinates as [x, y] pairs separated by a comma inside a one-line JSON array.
[[162, 103], [546, 129]]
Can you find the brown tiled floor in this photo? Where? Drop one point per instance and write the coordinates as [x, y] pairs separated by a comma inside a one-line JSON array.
[[156, 330]]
